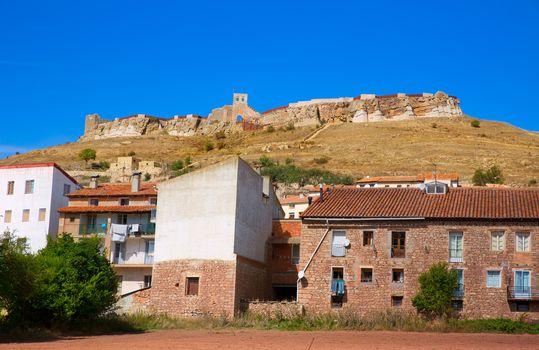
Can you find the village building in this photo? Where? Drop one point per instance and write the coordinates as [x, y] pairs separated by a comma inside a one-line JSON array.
[[294, 206], [285, 253], [212, 240], [30, 195], [123, 216], [451, 180], [364, 249]]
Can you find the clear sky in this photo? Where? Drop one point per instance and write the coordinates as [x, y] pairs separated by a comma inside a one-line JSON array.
[[61, 60]]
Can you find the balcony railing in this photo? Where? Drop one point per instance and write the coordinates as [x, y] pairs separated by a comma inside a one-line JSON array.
[[145, 229], [458, 293], [455, 255], [90, 229], [522, 293], [398, 252], [338, 250]]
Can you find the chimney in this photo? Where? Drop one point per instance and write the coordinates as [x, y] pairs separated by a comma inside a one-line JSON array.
[[321, 192], [310, 200], [135, 181], [94, 180]]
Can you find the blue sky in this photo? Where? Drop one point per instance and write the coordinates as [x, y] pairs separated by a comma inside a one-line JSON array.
[[61, 60]]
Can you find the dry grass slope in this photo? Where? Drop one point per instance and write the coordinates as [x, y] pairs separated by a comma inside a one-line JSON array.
[[390, 148]]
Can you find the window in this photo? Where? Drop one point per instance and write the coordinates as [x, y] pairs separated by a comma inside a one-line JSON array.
[[522, 306], [10, 187], [72, 219], [396, 300], [338, 243], [398, 244], [148, 258], [153, 201], [124, 201], [367, 238], [29, 187], [523, 242], [7, 216], [67, 189], [295, 254], [93, 202], [42, 214], [366, 275], [26, 215], [337, 287], [291, 215], [455, 247], [122, 219], [397, 276], [191, 286], [435, 188], [497, 241], [147, 281], [457, 304], [459, 291], [153, 215], [291, 206], [494, 279]]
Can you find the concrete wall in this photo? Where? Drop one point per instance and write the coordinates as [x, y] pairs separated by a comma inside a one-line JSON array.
[[48, 194], [132, 277]]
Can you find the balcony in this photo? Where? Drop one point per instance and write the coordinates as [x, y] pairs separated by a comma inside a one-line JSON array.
[[91, 229], [522, 293], [144, 229], [398, 251], [458, 293]]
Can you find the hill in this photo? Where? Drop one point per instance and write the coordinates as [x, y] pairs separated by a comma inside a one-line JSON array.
[[356, 149]]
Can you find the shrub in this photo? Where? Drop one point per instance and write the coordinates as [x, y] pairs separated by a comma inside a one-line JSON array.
[[266, 162], [104, 178], [321, 160], [289, 161], [105, 165], [74, 281], [131, 153], [289, 127], [493, 175], [475, 123], [221, 145], [270, 129], [147, 177], [87, 154], [220, 135], [177, 165], [208, 146], [433, 125], [532, 183], [436, 288]]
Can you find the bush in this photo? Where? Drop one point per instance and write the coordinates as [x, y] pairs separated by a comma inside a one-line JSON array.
[[221, 145], [220, 135], [74, 281], [493, 175], [104, 165], [433, 125], [208, 146], [532, 183], [87, 154], [475, 123], [436, 288], [321, 160], [147, 177], [131, 153], [177, 165], [270, 129], [289, 127]]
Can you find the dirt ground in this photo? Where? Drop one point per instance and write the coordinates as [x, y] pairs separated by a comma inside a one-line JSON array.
[[255, 340]]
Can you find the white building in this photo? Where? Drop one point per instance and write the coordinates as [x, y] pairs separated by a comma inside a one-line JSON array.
[[30, 195], [450, 179], [294, 206]]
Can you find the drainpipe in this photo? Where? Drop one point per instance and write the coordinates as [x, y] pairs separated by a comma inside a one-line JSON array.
[[301, 274]]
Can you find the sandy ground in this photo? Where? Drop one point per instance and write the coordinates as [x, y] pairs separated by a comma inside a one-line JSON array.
[[249, 339]]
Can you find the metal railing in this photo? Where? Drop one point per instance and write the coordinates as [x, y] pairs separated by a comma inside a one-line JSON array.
[[522, 292], [90, 229], [145, 229], [455, 255], [398, 251], [338, 250], [458, 293]]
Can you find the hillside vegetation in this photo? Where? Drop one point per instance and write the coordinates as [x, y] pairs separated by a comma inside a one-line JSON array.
[[385, 148]]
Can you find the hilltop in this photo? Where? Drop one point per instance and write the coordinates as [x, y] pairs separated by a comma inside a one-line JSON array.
[[356, 149]]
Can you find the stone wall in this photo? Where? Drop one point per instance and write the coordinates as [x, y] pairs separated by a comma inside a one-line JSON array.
[[272, 309], [426, 243]]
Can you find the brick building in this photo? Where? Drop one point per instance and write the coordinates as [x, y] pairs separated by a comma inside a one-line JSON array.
[[364, 249], [129, 208], [285, 253]]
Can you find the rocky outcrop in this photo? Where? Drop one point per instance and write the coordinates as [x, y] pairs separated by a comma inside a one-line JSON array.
[[365, 108], [361, 109]]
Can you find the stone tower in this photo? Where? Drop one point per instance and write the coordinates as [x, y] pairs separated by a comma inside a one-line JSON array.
[[240, 99]]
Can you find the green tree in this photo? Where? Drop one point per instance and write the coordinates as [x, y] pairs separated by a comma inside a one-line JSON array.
[[493, 175], [436, 288], [475, 123], [17, 277], [74, 281], [87, 154], [177, 165], [147, 177], [208, 146]]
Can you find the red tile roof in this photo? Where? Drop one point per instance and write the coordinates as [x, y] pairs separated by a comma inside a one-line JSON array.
[[108, 209], [458, 203], [39, 165], [114, 190], [418, 178], [294, 199]]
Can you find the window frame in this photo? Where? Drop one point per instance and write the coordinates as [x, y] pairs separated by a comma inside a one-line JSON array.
[[67, 189], [42, 215], [528, 237], [92, 200], [27, 189], [188, 291], [121, 202], [146, 279], [455, 259], [6, 216], [401, 246], [294, 260], [396, 270], [27, 211], [499, 278], [394, 298], [498, 240], [10, 188], [368, 240], [333, 245], [361, 269]]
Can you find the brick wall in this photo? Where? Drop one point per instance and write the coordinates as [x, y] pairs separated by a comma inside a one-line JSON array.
[[426, 243], [271, 309], [252, 281], [215, 294]]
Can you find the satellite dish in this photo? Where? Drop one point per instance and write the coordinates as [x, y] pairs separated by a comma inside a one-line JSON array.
[[347, 243], [301, 274]]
